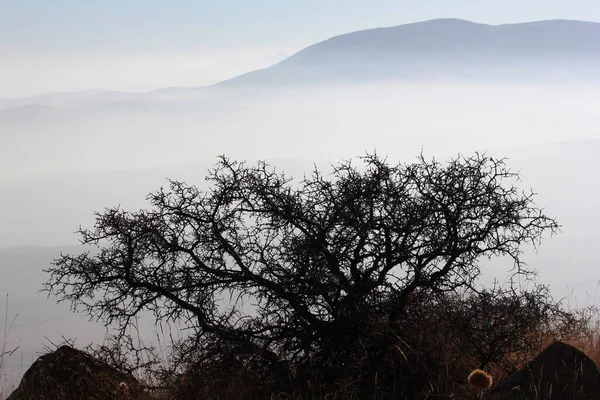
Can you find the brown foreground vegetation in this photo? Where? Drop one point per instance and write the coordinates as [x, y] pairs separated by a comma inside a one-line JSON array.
[[438, 358]]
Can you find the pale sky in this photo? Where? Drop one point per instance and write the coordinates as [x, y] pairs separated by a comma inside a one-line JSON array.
[[54, 45]]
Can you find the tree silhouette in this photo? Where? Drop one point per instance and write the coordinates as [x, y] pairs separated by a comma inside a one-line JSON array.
[[285, 271]]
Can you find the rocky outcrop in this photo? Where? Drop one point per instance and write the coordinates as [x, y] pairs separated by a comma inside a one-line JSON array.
[[560, 372], [69, 374]]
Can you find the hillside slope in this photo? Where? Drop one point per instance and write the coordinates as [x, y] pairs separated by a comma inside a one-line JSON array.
[[444, 49]]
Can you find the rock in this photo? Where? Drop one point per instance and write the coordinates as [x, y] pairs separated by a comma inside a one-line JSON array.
[[69, 374], [560, 372]]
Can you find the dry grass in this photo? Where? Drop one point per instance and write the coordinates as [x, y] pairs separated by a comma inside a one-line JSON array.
[[446, 385]]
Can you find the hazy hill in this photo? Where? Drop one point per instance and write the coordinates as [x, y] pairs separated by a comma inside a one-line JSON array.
[[435, 50], [444, 49]]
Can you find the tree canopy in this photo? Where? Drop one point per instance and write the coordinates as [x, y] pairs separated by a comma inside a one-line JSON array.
[[287, 270]]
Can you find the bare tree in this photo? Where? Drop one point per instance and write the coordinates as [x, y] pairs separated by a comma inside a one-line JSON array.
[[309, 267]]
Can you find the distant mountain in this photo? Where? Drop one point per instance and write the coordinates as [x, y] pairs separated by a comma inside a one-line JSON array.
[[435, 50], [444, 49]]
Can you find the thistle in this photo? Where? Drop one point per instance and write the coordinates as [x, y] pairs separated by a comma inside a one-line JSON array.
[[480, 380]]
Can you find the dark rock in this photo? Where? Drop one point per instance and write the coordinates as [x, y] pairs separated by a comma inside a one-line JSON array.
[[560, 372], [69, 374]]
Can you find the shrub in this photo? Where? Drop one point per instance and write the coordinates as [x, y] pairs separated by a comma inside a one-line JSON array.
[[331, 282]]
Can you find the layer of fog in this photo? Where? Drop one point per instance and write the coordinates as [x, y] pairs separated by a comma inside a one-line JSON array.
[[59, 163], [324, 123]]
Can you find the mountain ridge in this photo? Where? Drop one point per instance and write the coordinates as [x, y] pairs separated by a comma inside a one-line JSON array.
[[416, 50], [438, 49]]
